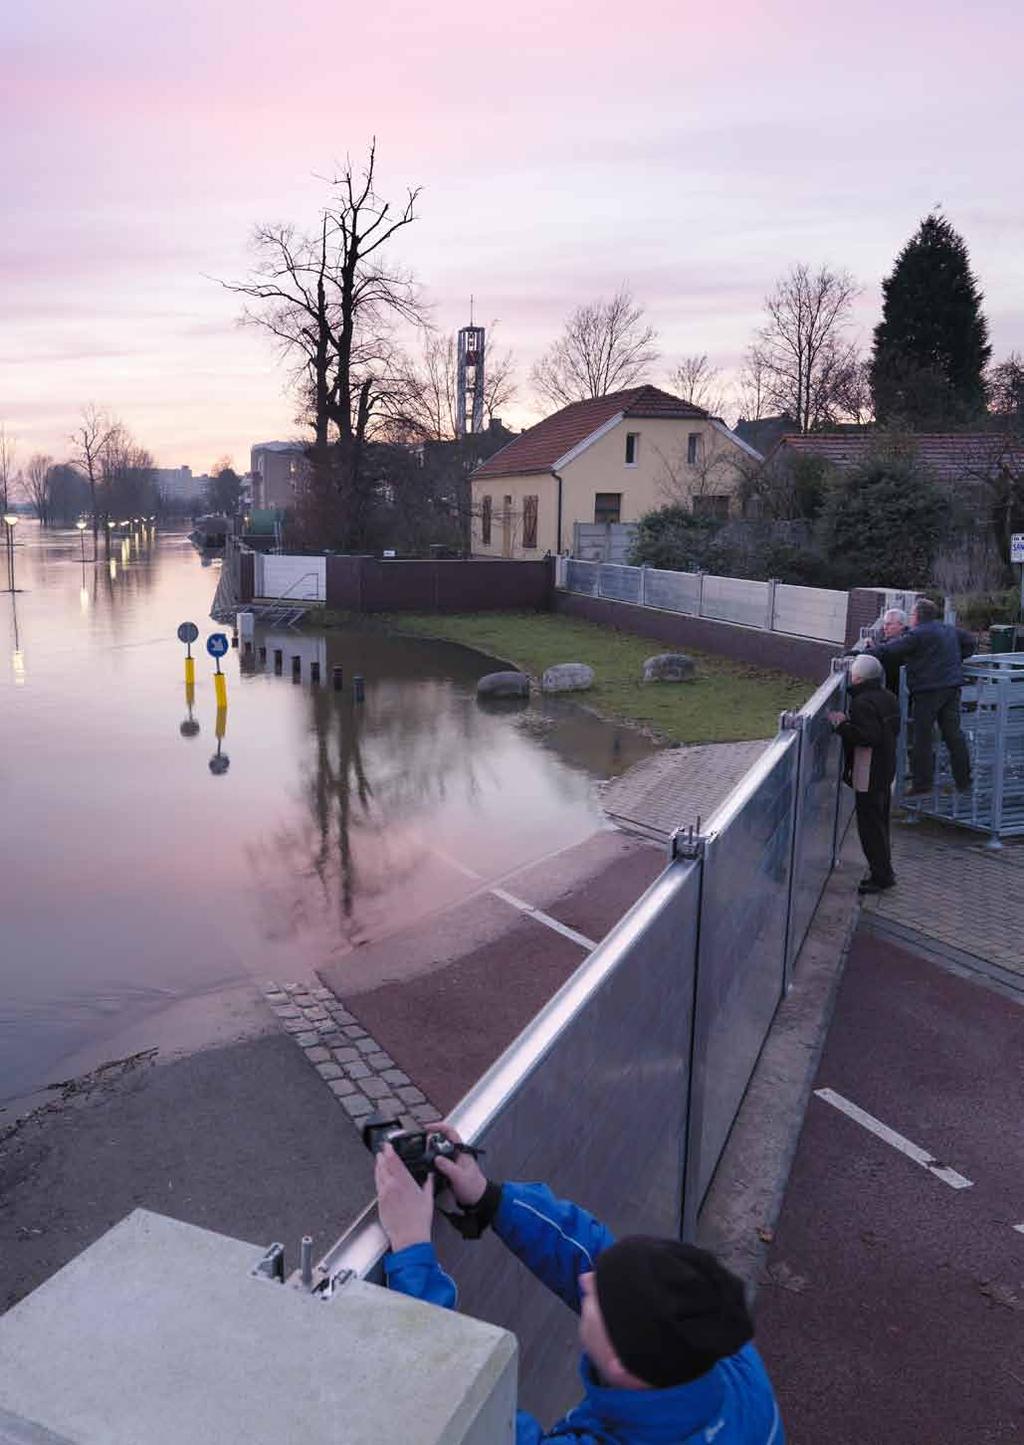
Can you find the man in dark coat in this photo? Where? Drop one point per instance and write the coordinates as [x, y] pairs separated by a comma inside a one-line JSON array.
[[933, 654], [869, 730]]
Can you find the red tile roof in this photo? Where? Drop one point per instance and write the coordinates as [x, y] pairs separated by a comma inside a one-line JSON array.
[[949, 456], [538, 449]]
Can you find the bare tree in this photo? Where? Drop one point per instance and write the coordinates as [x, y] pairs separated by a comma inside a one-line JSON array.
[[333, 303], [604, 347], [753, 388], [36, 484], [432, 394], [7, 450], [126, 486], [802, 351], [710, 466], [89, 440], [700, 383], [1006, 392]]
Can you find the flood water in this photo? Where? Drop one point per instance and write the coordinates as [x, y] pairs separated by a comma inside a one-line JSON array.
[[134, 875]]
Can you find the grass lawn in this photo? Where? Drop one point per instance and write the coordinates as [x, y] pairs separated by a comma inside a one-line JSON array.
[[728, 701]]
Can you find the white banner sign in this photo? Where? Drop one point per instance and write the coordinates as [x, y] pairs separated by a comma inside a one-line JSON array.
[[1017, 547]]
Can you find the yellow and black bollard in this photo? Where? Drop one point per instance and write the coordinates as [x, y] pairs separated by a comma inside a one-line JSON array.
[[187, 633], [218, 646]]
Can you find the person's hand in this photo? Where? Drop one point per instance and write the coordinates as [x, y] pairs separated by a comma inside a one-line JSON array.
[[466, 1179], [835, 718], [406, 1209]]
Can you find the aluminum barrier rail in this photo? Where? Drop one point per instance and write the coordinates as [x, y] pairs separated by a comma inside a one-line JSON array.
[[992, 706], [621, 1092]]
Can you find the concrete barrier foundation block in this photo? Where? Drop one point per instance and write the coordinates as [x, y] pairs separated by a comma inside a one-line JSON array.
[[567, 677], [670, 667], [504, 684]]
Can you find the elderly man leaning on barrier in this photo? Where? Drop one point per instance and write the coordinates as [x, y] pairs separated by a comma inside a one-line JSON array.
[[933, 653], [869, 730], [664, 1328]]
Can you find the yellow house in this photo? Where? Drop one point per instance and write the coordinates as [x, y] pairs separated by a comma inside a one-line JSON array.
[[610, 459]]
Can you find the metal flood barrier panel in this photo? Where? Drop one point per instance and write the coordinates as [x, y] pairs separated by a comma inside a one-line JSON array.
[[823, 809], [622, 1091], [747, 860], [592, 1100]]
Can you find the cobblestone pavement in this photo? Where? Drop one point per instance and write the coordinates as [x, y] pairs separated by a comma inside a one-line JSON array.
[[359, 1073], [956, 891], [676, 787]]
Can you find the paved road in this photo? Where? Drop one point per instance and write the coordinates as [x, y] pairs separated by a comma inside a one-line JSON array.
[[244, 1140], [893, 1307]]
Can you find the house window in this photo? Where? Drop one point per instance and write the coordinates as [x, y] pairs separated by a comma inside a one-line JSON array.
[[632, 447], [694, 449], [712, 504], [485, 521], [529, 522], [607, 507]]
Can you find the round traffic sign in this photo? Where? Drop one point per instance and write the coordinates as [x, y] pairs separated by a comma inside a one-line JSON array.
[[188, 632], [217, 644]]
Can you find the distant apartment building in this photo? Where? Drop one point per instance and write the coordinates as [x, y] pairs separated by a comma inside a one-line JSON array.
[[278, 470], [178, 486]]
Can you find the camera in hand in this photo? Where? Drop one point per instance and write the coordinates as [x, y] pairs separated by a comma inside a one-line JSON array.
[[417, 1148]]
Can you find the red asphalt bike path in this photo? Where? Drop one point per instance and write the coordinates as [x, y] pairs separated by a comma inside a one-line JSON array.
[[892, 1308]]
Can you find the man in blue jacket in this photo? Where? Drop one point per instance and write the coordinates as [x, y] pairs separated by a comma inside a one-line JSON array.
[[933, 654], [664, 1328]]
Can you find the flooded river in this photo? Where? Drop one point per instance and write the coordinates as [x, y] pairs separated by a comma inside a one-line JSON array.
[[134, 874]]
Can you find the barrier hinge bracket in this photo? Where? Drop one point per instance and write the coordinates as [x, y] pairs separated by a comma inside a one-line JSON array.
[[687, 843]]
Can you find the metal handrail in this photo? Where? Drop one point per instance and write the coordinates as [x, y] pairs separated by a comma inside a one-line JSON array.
[[296, 583]]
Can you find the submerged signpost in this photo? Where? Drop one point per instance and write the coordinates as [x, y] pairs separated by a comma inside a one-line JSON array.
[[1017, 555]]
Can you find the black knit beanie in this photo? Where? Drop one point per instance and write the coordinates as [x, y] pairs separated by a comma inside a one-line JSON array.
[[671, 1310]]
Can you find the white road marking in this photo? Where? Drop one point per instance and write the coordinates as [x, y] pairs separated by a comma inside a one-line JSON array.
[[1018, 1227], [538, 913], [545, 918], [897, 1141]]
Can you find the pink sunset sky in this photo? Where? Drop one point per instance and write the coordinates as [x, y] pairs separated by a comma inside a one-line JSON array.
[[692, 152]]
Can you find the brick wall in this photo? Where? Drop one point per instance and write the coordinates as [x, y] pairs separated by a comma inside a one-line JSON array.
[[795, 655], [865, 605]]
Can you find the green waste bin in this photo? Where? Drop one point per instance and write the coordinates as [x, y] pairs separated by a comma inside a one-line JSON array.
[[1002, 637]]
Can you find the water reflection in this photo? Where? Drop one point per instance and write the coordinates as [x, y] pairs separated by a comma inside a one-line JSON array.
[[138, 877], [220, 762]]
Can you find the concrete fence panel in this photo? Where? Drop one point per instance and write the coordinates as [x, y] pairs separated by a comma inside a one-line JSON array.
[[810, 612], [621, 584], [732, 599], [672, 591]]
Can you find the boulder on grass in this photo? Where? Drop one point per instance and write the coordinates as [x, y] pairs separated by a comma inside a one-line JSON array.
[[567, 677], [504, 684], [670, 667]]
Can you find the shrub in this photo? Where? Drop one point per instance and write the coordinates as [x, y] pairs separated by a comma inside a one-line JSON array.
[[979, 611], [883, 523], [675, 539]]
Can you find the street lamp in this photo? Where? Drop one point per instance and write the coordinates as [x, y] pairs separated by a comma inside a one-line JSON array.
[[81, 524], [10, 522]]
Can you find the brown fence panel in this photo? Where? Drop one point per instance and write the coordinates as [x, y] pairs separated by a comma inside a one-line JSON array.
[[365, 584], [344, 583]]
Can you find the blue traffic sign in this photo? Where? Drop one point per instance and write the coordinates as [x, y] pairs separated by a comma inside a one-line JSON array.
[[217, 644], [188, 632]]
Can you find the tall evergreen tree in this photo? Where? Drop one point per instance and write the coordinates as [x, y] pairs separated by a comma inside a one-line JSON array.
[[931, 345]]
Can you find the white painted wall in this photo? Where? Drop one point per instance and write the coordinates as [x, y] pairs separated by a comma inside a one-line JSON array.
[[303, 579]]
